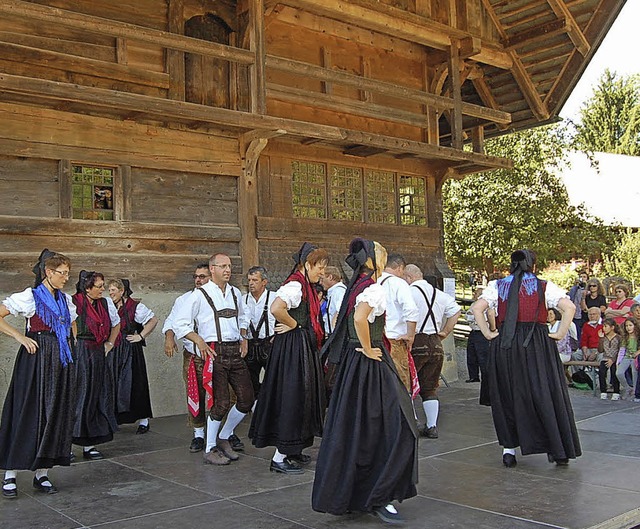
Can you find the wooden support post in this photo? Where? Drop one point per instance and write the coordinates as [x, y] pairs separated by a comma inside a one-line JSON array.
[[456, 95], [327, 86], [175, 59], [477, 137], [258, 46]]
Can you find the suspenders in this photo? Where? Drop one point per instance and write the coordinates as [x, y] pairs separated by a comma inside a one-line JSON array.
[[224, 313], [264, 320], [429, 309]]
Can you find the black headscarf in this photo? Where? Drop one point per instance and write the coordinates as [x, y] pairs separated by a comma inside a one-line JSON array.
[[360, 250], [39, 267], [522, 261], [127, 287], [83, 279], [300, 257]]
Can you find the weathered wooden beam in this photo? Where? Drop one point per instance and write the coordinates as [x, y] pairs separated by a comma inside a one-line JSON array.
[[536, 34], [576, 36], [382, 87], [257, 45], [484, 91], [388, 20], [164, 109], [112, 28], [362, 151], [175, 58], [477, 138], [455, 86], [470, 47]]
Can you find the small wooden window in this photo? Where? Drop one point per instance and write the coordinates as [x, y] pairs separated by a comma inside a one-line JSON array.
[[345, 187], [381, 197], [413, 201], [92, 192], [309, 190]]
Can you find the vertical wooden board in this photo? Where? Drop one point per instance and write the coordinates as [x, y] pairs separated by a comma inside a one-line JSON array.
[[474, 13], [265, 201], [440, 11], [175, 59], [66, 191]]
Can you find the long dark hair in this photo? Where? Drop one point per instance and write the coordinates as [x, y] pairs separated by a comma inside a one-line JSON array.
[[522, 261]]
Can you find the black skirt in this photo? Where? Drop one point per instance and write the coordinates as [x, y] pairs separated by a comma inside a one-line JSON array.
[[529, 397], [131, 385], [38, 412], [95, 410], [368, 455], [290, 409]]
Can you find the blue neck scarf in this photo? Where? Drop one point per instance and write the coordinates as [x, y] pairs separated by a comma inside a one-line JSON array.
[[54, 312]]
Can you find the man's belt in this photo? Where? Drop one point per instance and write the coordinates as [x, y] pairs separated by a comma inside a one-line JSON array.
[[260, 340], [223, 344]]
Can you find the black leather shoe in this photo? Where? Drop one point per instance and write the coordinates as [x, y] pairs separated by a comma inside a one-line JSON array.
[[47, 489], [9, 493], [92, 455], [387, 516], [469, 380], [142, 428], [563, 462], [72, 457], [285, 468], [430, 433], [197, 445], [509, 460], [236, 443], [300, 459]]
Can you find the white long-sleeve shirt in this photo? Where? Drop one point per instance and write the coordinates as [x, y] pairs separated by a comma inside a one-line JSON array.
[[401, 307]]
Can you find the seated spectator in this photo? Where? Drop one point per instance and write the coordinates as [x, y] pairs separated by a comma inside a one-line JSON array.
[[619, 308], [593, 297], [589, 341], [634, 311], [630, 333], [569, 343], [609, 346]]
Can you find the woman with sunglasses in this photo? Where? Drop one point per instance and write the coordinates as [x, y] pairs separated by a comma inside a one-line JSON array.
[[593, 297], [38, 412]]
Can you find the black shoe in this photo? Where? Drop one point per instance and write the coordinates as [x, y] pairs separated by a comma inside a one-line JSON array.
[[285, 468], [47, 489], [563, 462], [9, 493], [197, 445], [142, 428], [72, 457], [509, 460], [92, 455], [469, 380], [236, 443], [430, 433], [300, 459], [387, 516]]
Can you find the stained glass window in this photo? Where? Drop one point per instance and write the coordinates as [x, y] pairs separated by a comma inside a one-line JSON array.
[[413, 201], [309, 190], [92, 192], [381, 197], [346, 193]]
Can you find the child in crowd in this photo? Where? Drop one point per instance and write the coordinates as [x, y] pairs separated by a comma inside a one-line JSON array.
[[589, 339], [609, 346], [628, 352]]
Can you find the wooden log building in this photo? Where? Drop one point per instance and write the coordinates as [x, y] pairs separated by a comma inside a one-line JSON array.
[[140, 136]]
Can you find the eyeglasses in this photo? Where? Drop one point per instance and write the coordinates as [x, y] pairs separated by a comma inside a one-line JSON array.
[[223, 266], [63, 273], [200, 276], [593, 286]]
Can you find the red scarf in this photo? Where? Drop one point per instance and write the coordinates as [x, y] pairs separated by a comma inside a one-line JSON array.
[[309, 295], [96, 318]]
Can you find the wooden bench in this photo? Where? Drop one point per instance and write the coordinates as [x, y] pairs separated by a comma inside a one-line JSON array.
[[591, 367]]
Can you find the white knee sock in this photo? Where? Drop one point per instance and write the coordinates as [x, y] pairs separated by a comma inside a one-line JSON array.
[[278, 457], [8, 475], [198, 432], [431, 408], [87, 448], [143, 422], [233, 419], [511, 451], [212, 433], [42, 473]]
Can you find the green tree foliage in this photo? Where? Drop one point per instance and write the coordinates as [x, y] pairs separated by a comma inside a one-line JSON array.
[[488, 215], [624, 259], [610, 119]]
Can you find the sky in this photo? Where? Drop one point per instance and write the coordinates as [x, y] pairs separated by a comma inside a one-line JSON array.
[[618, 52]]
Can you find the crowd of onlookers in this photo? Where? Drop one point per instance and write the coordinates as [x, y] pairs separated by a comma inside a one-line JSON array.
[[603, 331]]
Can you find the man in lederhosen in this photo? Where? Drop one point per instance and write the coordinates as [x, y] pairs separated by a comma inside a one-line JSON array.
[[218, 310], [434, 308]]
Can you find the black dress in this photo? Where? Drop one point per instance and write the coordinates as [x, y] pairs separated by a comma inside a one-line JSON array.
[[131, 391], [95, 420], [527, 387], [289, 412], [38, 411], [368, 455]]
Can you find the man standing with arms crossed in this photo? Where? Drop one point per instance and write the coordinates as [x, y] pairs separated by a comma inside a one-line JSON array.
[[434, 306], [218, 310], [192, 364]]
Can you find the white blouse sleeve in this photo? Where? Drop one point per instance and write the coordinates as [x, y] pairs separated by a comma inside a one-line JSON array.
[[73, 311], [291, 294], [553, 294], [374, 296], [490, 295], [143, 314], [21, 303], [113, 312]]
